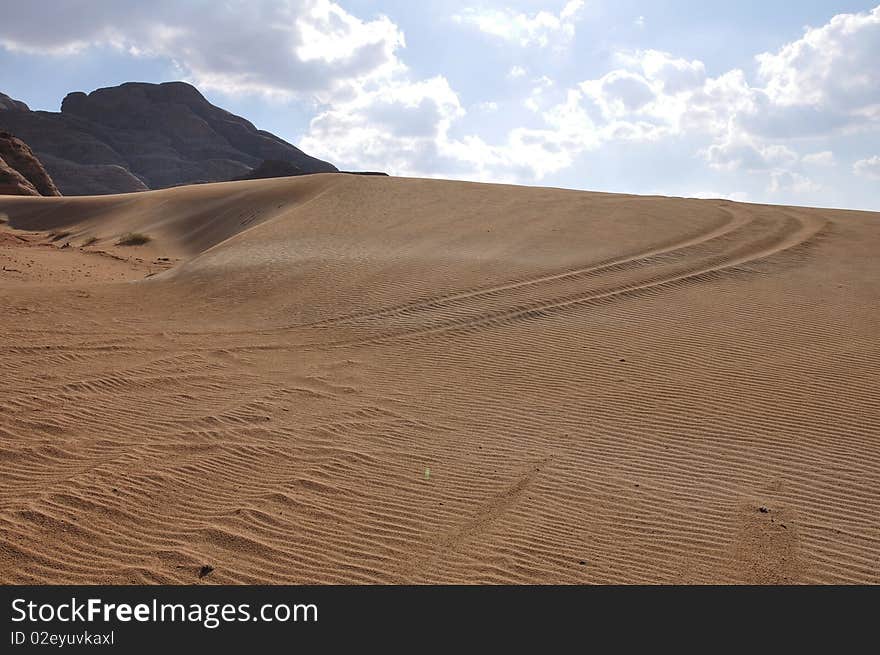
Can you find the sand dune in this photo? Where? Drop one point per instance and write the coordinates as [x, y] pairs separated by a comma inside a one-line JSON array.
[[361, 379]]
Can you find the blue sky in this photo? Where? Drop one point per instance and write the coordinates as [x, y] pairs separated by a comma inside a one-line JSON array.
[[771, 101]]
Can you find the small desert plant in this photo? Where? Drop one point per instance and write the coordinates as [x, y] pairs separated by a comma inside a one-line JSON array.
[[90, 241], [133, 239]]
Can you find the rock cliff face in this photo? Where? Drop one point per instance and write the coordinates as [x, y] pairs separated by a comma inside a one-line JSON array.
[[13, 183], [21, 173], [138, 136]]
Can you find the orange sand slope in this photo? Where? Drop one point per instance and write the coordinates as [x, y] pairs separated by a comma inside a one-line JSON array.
[[349, 379]]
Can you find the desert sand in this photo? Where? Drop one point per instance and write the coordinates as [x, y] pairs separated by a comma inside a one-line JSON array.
[[343, 379]]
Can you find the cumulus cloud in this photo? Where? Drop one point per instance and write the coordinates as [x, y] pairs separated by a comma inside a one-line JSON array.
[[791, 182], [397, 126], [619, 93], [405, 129], [285, 47], [822, 84], [749, 156], [673, 73], [540, 29], [869, 167], [654, 95], [833, 66]]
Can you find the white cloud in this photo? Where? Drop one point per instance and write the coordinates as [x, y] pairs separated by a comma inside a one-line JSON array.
[[540, 29], [824, 158], [675, 74], [732, 155], [619, 93], [791, 182], [398, 127], [404, 129], [833, 66], [869, 167], [328, 33], [826, 82], [656, 94], [639, 22], [823, 83], [536, 100], [305, 48]]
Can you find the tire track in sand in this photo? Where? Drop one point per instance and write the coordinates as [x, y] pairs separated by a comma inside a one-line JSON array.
[[721, 250]]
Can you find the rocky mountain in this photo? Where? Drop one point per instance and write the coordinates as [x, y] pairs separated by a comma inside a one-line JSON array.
[[139, 136], [21, 173]]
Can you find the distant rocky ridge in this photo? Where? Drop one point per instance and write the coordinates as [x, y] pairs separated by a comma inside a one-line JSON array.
[[274, 168], [21, 173], [7, 103], [271, 168], [140, 136]]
